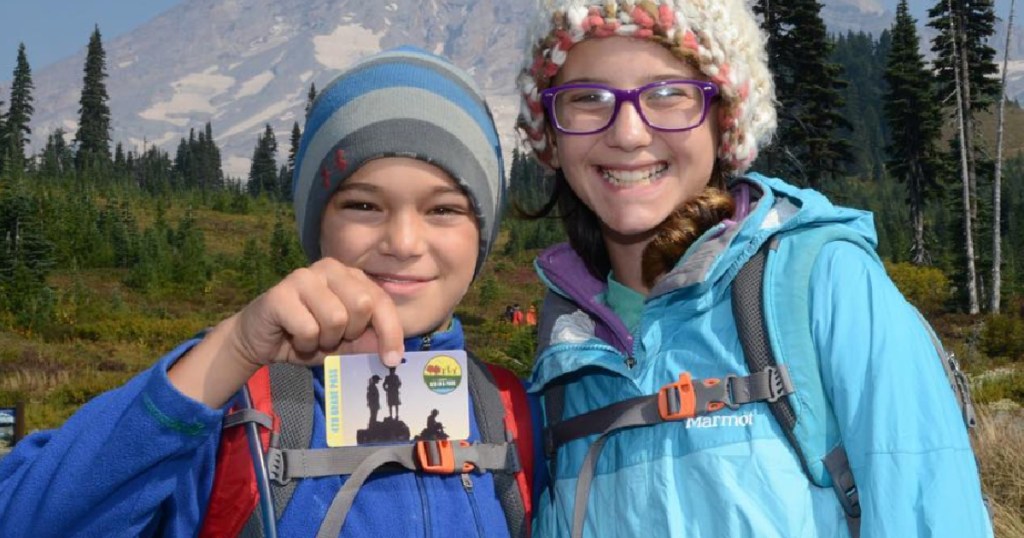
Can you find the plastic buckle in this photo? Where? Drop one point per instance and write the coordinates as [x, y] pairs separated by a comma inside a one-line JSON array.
[[714, 394], [438, 457], [678, 400], [277, 470], [778, 383]]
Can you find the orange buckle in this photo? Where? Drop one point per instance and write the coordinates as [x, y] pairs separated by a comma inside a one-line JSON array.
[[678, 400], [438, 457]]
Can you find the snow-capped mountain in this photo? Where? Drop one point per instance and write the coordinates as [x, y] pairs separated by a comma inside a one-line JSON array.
[[241, 64]]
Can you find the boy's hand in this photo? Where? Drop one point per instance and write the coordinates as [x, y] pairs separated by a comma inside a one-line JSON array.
[[321, 310]]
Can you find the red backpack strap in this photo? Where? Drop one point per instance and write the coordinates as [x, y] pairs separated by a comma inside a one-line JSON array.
[[234, 495], [519, 424]]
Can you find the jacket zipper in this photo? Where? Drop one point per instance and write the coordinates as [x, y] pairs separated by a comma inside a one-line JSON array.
[[425, 504], [467, 484]]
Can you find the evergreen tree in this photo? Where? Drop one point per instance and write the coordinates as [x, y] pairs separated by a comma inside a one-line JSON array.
[[263, 173], [93, 136], [916, 124], [20, 112], [808, 87], [310, 97], [57, 158], [863, 59], [285, 253], [294, 150], [965, 67], [119, 160], [3, 135], [212, 170]]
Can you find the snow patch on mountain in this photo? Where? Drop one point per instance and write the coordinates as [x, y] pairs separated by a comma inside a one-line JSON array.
[[193, 94], [337, 49], [255, 84]]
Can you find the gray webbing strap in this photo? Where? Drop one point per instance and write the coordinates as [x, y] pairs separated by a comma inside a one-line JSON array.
[[291, 389], [766, 386], [846, 490], [321, 462], [245, 416], [957, 380]]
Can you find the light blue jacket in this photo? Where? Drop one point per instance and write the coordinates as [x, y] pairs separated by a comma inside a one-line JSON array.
[[733, 473]]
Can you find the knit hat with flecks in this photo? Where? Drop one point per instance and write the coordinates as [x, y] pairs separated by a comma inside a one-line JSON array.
[[721, 38], [404, 102]]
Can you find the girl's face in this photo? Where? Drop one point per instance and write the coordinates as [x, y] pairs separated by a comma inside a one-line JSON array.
[[633, 177], [412, 230]]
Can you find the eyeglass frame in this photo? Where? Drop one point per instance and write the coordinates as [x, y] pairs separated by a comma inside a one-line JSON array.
[[709, 91]]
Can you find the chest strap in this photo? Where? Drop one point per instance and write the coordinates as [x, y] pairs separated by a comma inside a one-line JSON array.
[[431, 457], [676, 401]]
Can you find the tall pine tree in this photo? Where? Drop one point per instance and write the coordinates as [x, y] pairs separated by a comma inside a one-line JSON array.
[[915, 122], [808, 86], [965, 68], [93, 136], [20, 113], [263, 173]]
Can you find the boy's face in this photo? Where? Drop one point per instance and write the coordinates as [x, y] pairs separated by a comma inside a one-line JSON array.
[[412, 230]]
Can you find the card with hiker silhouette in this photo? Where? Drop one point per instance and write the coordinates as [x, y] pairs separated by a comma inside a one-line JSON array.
[[424, 397]]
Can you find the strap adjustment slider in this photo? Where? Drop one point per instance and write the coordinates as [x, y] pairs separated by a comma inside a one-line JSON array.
[[677, 400], [438, 457]]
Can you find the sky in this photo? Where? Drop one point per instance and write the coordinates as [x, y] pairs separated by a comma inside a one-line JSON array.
[[55, 29]]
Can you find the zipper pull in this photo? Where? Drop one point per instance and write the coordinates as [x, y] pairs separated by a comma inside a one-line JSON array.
[[630, 362], [467, 483], [426, 343]]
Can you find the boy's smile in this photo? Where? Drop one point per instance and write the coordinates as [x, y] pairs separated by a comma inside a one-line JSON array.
[[412, 231]]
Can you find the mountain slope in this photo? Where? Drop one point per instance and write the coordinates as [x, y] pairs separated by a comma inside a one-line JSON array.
[[243, 63]]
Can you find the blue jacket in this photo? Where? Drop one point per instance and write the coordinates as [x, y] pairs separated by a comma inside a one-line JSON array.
[[733, 473], [139, 461]]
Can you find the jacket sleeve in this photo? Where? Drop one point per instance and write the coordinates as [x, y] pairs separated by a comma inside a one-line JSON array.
[[135, 461], [900, 423]]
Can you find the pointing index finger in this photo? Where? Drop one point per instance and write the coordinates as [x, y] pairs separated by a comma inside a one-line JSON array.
[[388, 328]]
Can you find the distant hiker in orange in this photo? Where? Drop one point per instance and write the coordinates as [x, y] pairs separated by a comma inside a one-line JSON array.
[[517, 315], [531, 316]]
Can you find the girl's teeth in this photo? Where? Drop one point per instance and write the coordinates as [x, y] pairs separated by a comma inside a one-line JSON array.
[[633, 177]]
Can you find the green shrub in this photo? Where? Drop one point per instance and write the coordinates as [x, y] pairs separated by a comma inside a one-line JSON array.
[[993, 388], [927, 288], [1003, 336]]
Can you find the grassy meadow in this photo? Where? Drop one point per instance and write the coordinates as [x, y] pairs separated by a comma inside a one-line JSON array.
[[107, 330]]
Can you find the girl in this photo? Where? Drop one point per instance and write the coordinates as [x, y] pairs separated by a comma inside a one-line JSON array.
[[397, 187], [650, 114]]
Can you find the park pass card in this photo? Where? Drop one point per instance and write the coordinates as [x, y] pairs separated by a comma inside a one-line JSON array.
[[425, 397]]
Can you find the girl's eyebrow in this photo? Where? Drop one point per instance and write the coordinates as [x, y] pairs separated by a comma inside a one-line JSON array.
[[646, 80]]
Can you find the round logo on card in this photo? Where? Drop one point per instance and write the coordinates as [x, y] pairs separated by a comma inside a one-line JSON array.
[[442, 374]]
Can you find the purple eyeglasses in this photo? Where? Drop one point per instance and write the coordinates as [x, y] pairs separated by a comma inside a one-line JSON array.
[[667, 105]]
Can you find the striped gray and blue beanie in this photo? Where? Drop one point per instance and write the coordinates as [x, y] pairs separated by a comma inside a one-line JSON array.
[[399, 103]]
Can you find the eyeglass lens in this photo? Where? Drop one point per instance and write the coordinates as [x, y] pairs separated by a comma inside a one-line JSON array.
[[672, 106]]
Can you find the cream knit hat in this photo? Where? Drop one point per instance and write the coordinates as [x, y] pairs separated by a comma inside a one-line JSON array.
[[721, 38]]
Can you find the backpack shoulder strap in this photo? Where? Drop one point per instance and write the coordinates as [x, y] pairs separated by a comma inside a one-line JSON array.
[[503, 416], [234, 495], [291, 389], [813, 433], [284, 393]]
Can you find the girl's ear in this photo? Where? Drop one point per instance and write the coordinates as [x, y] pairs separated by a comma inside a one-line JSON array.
[[553, 160]]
